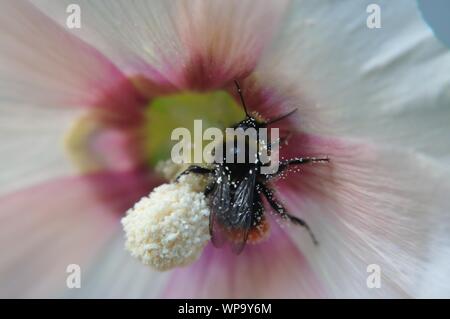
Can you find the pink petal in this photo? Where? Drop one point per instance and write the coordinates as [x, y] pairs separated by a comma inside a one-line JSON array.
[[62, 222], [272, 269]]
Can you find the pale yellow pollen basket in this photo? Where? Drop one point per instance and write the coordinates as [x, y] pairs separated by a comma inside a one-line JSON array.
[[170, 227]]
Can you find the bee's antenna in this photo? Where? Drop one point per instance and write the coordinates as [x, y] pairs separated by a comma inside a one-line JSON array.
[[242, 97], [281, 117]]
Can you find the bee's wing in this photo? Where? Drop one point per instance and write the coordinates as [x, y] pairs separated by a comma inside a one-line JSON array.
[[240, 216], [220, 203], [231, 218]]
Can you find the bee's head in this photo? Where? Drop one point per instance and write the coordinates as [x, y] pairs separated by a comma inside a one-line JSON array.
[[249, 121]]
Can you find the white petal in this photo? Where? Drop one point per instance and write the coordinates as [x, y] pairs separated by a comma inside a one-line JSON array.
[[136, 36], [114, 273], [44, 69], [177, 42], [31, 145], [390, 85], [373, 206], [42, 64], [44, 229]]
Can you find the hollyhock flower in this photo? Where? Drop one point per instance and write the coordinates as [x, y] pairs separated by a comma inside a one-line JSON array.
[[374, 100]]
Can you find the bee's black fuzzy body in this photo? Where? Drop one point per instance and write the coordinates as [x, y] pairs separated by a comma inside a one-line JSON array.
[[236, 190]]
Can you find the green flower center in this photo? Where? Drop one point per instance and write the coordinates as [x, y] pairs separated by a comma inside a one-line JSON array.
[[164, 114]]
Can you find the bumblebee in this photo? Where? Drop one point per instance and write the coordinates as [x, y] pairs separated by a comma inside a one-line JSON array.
[[236, 190]]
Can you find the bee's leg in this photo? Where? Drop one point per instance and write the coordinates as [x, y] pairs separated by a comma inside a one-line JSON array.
[[302, 160], [209, 188], [195, 169], [297, 161], [282, 211]]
